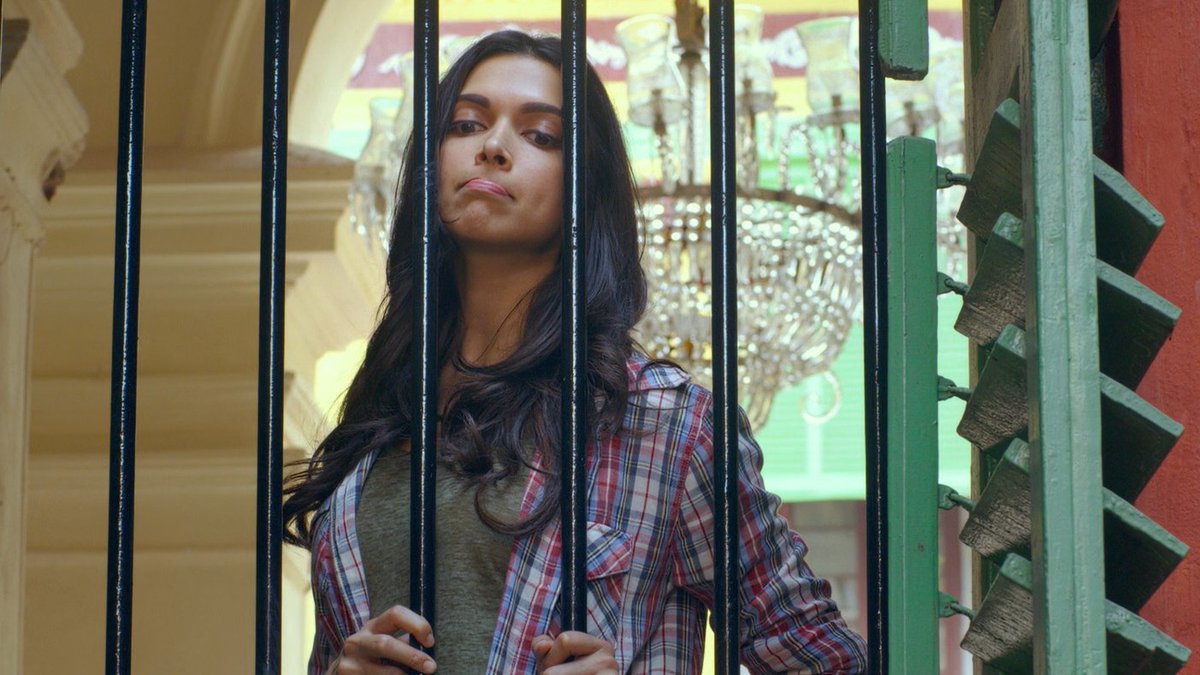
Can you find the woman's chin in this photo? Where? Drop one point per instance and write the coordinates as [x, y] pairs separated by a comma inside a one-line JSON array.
[[501, 246], [492, 238]]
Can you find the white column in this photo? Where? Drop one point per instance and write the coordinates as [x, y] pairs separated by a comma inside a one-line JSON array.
[[16, 275], [41, 136]]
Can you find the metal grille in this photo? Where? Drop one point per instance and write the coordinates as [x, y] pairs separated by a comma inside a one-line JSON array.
[[573, 367]]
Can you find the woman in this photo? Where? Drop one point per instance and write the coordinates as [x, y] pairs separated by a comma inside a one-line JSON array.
[[650, 460]]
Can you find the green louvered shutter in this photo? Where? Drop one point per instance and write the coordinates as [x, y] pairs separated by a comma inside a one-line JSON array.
[[1062, 334]]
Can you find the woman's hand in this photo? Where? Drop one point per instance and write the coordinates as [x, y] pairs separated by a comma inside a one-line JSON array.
[[593, 656], [375, 649]]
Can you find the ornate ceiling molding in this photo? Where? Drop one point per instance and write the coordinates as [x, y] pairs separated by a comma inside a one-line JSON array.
[[44, 123]]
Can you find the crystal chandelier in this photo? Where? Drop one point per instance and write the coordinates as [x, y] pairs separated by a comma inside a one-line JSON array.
[[799, 221]]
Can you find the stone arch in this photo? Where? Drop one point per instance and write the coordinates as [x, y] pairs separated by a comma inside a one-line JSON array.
[[340, 33], [326, 37]]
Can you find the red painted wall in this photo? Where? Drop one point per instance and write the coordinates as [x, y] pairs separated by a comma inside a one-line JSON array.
[[1160, 110]]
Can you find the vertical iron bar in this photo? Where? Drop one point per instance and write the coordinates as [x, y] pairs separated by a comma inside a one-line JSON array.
[[270, 336], [724, 330], [573, 372], [127, 254], [875, 318], [422, 525]]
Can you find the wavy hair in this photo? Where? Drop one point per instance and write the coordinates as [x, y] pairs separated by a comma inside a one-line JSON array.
[[506, 415]]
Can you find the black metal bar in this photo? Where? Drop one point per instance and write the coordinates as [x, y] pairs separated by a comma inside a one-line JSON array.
[[874, 209], [574, 321], [270, 336], [127, 253], [725, 338], [424, 439]]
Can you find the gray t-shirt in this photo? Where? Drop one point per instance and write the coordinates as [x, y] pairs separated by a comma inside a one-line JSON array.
[[471, 559]]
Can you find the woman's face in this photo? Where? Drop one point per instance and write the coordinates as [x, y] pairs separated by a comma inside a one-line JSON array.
[[500, 165]]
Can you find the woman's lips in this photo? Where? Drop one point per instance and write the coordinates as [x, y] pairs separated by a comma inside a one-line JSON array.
[[486, 186]]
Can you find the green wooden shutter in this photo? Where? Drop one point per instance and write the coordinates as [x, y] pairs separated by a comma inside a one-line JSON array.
[[1062, 334]]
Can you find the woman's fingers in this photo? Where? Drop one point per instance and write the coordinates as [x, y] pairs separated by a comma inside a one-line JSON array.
[[593, 655], [375, 652], [351, 667], [567, 644], [374, 649], [400, 619], [596, 664]]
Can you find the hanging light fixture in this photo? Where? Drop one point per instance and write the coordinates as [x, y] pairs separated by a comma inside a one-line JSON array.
[[799, 249], [799, 222]]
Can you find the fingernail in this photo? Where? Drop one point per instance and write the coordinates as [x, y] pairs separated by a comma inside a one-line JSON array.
[[428, 666]]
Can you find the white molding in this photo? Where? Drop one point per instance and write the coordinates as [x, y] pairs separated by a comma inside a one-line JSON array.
[[190, 412], [174, 558], [18, 216], [49, 19], [199, 501], [44, 123], [214, 183], [201, 202], [200, 248], [203, 470]]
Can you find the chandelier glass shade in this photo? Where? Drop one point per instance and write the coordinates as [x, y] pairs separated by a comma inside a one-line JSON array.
[[799, 221]]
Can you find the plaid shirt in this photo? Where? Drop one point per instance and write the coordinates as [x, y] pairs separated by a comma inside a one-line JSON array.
[[650, 555]]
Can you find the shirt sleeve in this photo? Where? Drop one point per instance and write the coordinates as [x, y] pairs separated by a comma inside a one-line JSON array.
[[327, 643], [789, 623]]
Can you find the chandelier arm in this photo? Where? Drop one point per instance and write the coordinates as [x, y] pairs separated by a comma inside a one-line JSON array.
[[807, 202], [812, 204]]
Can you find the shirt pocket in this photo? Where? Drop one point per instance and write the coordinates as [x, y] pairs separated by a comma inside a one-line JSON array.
[[609, 559], [609, 551]]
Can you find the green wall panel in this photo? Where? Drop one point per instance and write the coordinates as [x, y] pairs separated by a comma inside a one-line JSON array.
[[818, 462]]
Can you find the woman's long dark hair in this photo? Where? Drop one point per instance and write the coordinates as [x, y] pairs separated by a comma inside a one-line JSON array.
[[500, 415]]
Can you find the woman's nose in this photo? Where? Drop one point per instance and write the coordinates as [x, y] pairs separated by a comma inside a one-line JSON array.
[[494, 151]]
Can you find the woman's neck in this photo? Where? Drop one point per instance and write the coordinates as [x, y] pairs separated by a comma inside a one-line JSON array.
[[494, 292]]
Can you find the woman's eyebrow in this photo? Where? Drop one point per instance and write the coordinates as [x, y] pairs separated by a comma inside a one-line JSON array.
[[539, 107], [476, 99], [528, 107]]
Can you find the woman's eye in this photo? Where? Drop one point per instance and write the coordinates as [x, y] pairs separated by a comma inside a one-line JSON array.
[[543, 139], [464, 126]]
